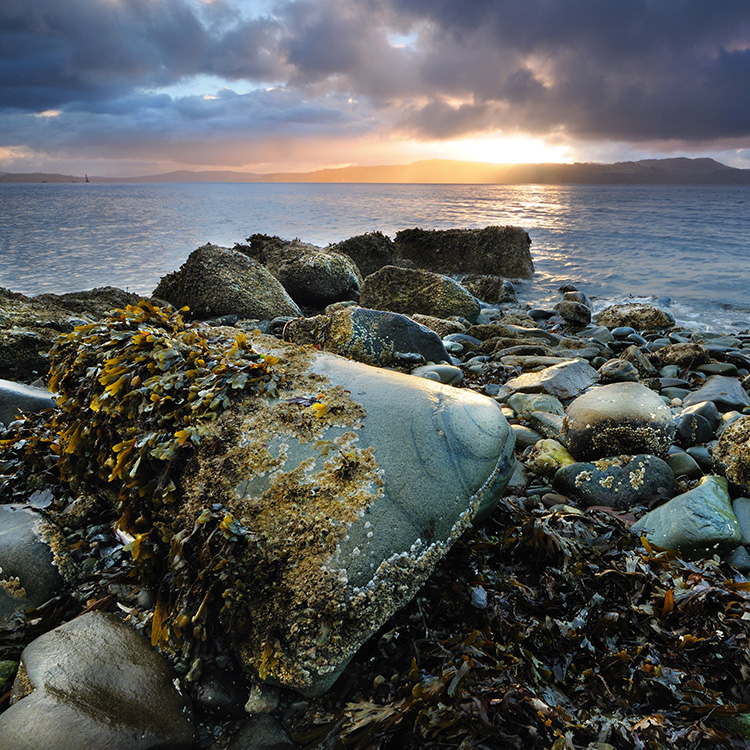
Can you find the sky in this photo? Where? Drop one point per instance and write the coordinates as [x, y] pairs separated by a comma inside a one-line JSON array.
[[135, 87]]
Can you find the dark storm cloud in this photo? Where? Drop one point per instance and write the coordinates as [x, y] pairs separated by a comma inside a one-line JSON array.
[[635, 71]]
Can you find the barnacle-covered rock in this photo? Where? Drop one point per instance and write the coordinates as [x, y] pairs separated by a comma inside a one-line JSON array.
[[375, 337], [217, 281], [293, 498], [618, 419], [732, 453], [313, 276], [370, 251], [408, 291], [637, 315]]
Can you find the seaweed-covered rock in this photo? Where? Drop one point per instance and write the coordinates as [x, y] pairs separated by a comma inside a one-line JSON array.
[[312, 276], [732, 452], [619, 481], [407, 291], [637, 315], [618, 419], [686, 354], [442, 326], [94, 682], [370, 251], [216, 281], [494, 290], [375, 337], [499, 251], [697, 523]]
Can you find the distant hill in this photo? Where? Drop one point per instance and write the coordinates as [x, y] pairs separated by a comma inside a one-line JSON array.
[[677, 171]]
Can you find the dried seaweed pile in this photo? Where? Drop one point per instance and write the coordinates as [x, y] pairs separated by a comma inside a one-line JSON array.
[[552, 630]]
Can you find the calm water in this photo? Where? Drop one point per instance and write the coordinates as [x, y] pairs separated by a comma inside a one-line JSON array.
[[690, 244]]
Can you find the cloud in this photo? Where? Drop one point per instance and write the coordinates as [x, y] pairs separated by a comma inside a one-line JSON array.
[[631, 72]]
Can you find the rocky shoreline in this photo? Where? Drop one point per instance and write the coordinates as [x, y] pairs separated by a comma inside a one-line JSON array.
[[440, 515]]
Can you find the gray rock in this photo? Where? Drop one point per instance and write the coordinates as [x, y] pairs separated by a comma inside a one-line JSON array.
[[374, 337], [691, 429], [523, 403], [739, 558], [408, 291], [499, 251], [574, 313], [618, 371], [216, 281], [566, 380], [388, 478], [620, 481], [16, 397], [618, 419], [705, 409], [702, 456], [548, 425], [684, 465], [370, 251], [94, 682], [698, 523], [491, 289], [725, 392], [640, 361], [525, 436], [741, 508], [446, 374]]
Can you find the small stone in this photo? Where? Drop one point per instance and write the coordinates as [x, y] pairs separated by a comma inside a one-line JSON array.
[[618, 371], [691, 429], [525, 436], [547, 456], [523, 403], [684, 465], [574, 313], [702, 456], [706, 409], [261, 732]]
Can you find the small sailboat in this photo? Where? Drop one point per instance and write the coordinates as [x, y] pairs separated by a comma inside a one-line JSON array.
[[87, 179]]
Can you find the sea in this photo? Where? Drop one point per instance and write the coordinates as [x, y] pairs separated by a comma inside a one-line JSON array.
[[686, 248]]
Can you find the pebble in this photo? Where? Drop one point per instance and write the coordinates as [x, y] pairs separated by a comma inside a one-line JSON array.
[[446, 374]]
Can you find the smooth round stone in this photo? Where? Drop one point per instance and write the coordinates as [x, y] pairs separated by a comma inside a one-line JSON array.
[[462, 338], [478, 368], [636, 338], [669, 371], [525, 436], [673, 392], [724, 391], [539, 314], [619, 482], [622, 332], [739, 558], [446, 374], [453, 347], [684, 465], [522, 403], [702, 456], [692, 429], [718, 368], [618, 419], [707, 410]]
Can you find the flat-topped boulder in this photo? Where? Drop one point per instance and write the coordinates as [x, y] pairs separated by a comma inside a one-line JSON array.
[[497, 251], [640, 316]]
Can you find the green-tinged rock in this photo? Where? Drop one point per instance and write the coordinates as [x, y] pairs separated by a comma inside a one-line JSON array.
[[618, 419], [94, 682], [684, 465], [548, 456], [523, 403], [619, 481], [698, 523], [8, 671], [446, 374]]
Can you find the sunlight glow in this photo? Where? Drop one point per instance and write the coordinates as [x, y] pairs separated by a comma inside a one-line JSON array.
[[48, 113], [497, 149]]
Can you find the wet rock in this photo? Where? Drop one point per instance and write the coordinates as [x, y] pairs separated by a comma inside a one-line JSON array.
[[375, 337], [705, 409], [216, 281], [698, 523], [23, 352], [32, 551], [222, 694], [634, 315], [618, 419], [94, 682], [618, 371], [732, 452], [523, 403], [619, 482], [565, 380], [739, 558], [741, 508], [640, 361], [691, 429], [574, 313], [261, 732], [727, 393], [370, 251], [684, 465], [491, 289], [525, 436], [16, 398], [312, 276], [499, 251], [702, 457], [408, 291]]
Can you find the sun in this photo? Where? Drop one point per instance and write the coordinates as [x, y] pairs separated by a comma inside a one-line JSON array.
[[499, 149]]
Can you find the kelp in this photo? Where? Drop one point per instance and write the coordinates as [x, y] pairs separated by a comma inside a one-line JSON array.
[[551, 630]]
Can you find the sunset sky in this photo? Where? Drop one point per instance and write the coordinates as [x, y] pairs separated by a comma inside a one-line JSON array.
[[130, 87]]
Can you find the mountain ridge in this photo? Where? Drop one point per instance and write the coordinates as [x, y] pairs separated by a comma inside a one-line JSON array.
[[671, 171]]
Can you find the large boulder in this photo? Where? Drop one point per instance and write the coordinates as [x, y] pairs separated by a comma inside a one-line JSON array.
[[216, 281], [312, 276], [281, 497], [618, 419], [408, 291], [370, 251], [94, 682], [494, 250], [375, 337]]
